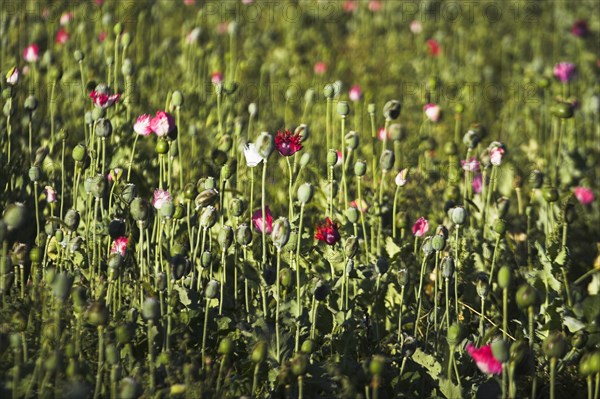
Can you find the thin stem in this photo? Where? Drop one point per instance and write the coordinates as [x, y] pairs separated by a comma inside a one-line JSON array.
[[264, 222]]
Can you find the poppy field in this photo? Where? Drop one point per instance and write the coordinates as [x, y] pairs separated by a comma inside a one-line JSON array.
[[299, 199]]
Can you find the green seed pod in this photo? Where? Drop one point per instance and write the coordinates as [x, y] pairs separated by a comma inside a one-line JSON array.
[[55, 73], [526, 296], [98, 186], [482, 285], [52, 362], [454, 335], [391, 109], [265, 144], [177, 98], [129, 388], [225, 238], [126, 39], [562, 110], [180, 265], [189, 191], [504, 277], [352, 140], [212, 289], [127, 70], [112, 354], [308, 346], [286, 277], [34, 174], [500, 227], [518, 349], [225, 143], [280, 232], [104, 127], [243, 235], [61, 286], [447, 267], [595, 362], [299, 364], [129, 193], [237, 207], [328, 91], [139, 209], [305, 193], [225, 346], [458, 215], [427, 248], [403, 277], [79, 153], [305, 159], [386, 161], [161, 283], [471, 138], [360, 168], [396, 132], [124, 333], [343, 109], [550, 194], [352, 214], [206, 198], [78, 55], [97, 314], [438, 243], [332, 157], [179, 212], [377, 365], [162, 146], [500, 350], [351, 247], [35, 254], [14, 216], [371, 108], [259, 352], [579, 339], [167, 211], [118, 29], [206, 259], [555, 345], [31, 103], [252, 109], [309, 96], [151, 309], [585, 365], [209, 217]]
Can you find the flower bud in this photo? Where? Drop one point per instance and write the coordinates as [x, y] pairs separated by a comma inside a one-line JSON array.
[[387, 160], [34, 174], [265, 144], [562, 110], [212, 289], [391, 109], [206, 259], [308, 346], [360, 168], [209, 216], [454, 334], [332, 157], [504, 277], [259, 352], [482, 285], [352, 214], [526, 296], [343, 109], [177, 98], [79, 153], [285, 276], [500, 350], [225, 237], [305, 159], [351, 247], [280, 232], [225, 346], [243, 235], [31, 103], [305, 193], [447, 267], [555, 345], [579, 339]]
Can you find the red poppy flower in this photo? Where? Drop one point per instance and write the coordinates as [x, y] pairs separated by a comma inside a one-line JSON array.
[[288, 143], [328, 232], [434, 47]]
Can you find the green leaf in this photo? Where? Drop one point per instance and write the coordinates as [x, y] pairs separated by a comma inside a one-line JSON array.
[[428, 362], [450, 390], [562, 257], [183, 295], [390, 247], [573, 324], [546, 274]]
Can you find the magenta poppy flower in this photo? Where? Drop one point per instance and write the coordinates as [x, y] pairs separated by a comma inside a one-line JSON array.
[[216, 78], [161, 197], [420, 227], [50, 194], [580, 28], [350, 5], [434, 47], [62, 36], [477, 183], [258, 222], [564, 71], [484, 359], [119, 246], [496, 155], [162, 124], [104, 99], [142, 125], [584, 195], [328, 232], [472, 165], [101, 37], [288, 143], [355, 93], [31, 53], [320, 68], [375, 5], [433, 112]]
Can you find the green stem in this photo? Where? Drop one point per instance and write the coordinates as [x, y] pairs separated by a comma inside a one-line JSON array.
[[277, 304], [394, 212], [552, 376], [421, 276], [362, 217], [264, 222], [100, 362], [204, 332], [137, 136]]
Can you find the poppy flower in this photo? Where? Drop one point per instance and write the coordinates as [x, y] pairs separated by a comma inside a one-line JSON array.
[[162, 124], [360, 205], [288, 143], [320, 68], [216, 78], [433, 112], [258, 222], [355, 93], [31, 53], [12, 77], [564, 71], [496, 154], [420, 227], [471, 165], [416, 27], [161, 197], [252, 156], [328, 232], [477, 183], [484, 359], [103, 99], [142, 125], [584, 195], [66, 18], [62, 36], [50, 194], [434, 47], [119, 246], [402, 178], [580, 28]]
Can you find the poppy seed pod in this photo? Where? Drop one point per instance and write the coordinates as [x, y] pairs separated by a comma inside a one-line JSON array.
[[352, 214], [209, 216], [305, 159], [387, 160], [206, 259], [518, 349], [151, 309], [209, 183], [177, 98], [450, 148], [78, 55], [555, 345], [550, 194], [332, 157], [265, 144], [237, 207], [161, 282], [225, 237], [34, 174], [500, 227], [243, 235], [127, 68], [427, 248], [526, 296], [562, 110], [447, 267], [79, 153], [226, 171], [482, 285], [212, 289], [72, 218], [305, 193], [259, 352], [97, 314], [162, 146], [328, 91], [128, 193], [103, 127], [352, 140], [391, 109], [442, 230], [300, 364], [360, 168], [98, 186], [280, 232], [343, 109], [285, 276], [351, 247], [438, 243], [471, 138], [167, 210], [504, 277], [458, 215], [31, 103], [377, 365], [500, 350], [454, 334], [139, 209], [225, 346]]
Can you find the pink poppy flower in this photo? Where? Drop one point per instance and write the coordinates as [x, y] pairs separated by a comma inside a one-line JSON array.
[[247, 1], [258, 222], [101, 37], [142, 125], [162, 124], [355, 93], [340, 161], [216, 78], [62, 36], [12, 77], [115, 175], [580, 28], [564, 71], [31, 53], [383, 134], [193, 36], [161, 197], [584, 195], [416, 27], [484, 359], [288, 143], [433, 112], [420, 227], [434, 47], [120, 246], [189, 2], [477, 183], [50, 194], [350, 5], [104, 99], [66, 18], [472, 165], [328, 232], [496, 154], [320, 68], [402, 178], [360, 205], [375, 5]]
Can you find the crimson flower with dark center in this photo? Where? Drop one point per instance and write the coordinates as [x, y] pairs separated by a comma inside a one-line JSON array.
[[328, 232], [288, 143]]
